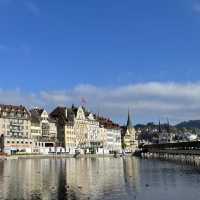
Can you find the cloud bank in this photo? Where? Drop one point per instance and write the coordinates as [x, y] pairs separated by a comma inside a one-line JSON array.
[[147, 101]]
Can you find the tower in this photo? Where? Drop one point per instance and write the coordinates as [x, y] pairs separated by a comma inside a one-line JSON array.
[[129, 122], [130, 143]]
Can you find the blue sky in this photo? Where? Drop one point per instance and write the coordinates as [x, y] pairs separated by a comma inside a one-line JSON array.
[[55, 47]]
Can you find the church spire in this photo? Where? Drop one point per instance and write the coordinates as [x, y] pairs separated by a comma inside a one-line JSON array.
[[129, 123], [159, 127]]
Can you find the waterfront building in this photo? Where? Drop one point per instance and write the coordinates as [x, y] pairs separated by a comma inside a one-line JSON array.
[[94, 139], [86, 129], [164, 135], [43, 131], [15, 129], [43, 127], [66, 137], [82, 131], [111, 136], [129, 140], [63, 130], [77, 129], [81, 128]]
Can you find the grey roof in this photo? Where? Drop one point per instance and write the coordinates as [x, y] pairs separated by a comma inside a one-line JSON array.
[[13, 108], [129, 122], [60, 115], [36, 115]]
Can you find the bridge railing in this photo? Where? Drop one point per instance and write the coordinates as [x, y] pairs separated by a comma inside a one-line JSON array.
[[175, 145]]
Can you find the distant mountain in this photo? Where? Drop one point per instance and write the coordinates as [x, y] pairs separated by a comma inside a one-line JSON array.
[[189, 124]]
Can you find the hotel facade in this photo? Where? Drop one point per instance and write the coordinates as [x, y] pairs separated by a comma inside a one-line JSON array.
[[84, 132]]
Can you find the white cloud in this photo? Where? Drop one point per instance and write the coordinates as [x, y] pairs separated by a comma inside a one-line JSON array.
[[148, 101]]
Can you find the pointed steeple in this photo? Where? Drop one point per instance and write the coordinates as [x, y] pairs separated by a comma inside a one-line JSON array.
[[168, 126], [159, 128], [129, 123]]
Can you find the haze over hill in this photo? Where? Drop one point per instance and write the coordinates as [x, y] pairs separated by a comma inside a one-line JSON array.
[[191, 124]]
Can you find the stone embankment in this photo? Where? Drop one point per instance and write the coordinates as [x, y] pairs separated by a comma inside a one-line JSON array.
[[16, 157]]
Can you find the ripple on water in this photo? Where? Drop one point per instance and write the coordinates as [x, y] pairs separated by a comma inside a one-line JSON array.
[[118, 179]]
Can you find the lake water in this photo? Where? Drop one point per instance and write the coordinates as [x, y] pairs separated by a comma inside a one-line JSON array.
[[98, 178]]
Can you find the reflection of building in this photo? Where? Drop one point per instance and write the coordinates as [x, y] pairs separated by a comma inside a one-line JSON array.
[[129, 140], [102, 178]]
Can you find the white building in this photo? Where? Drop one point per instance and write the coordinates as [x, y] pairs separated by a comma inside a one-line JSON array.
[[111, 136]]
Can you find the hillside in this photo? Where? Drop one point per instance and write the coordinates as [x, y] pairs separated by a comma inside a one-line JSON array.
[[189, 124]]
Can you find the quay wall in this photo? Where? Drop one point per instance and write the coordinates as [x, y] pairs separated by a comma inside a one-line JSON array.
[[16, 157]]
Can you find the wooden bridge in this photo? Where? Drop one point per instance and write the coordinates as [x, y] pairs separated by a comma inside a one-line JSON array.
[[188, 152]]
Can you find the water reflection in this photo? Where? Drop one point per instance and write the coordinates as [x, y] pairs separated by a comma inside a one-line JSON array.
[[103, 178]]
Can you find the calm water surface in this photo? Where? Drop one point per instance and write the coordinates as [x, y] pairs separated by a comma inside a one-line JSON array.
[[98, 178]]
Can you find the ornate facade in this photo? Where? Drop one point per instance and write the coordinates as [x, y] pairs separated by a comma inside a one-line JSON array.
[[15, 129], [64, 130]]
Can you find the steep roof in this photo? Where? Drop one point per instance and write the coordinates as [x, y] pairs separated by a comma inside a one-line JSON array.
[[36, 115], [107, 123], [59, 114], [13, 108], [129, 122]]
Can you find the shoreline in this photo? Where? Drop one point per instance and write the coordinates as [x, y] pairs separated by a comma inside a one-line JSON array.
[[16, 157]]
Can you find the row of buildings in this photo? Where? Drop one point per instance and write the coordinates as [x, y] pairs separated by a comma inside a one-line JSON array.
[[164, 133], [64, 130]]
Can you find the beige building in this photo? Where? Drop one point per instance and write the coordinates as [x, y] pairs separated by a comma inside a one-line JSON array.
[[66, 137], [78, 130], [129, 140], [43, 127], [15, 129], [43, 131]]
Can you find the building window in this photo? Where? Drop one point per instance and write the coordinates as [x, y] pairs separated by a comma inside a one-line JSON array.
[[22, 142], [13, 142], [8, 142]]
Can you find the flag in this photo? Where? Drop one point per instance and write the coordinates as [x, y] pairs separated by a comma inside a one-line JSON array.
[[83, 100]]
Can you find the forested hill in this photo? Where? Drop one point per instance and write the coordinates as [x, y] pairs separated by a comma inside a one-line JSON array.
[[186, 124], [189, 124]]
